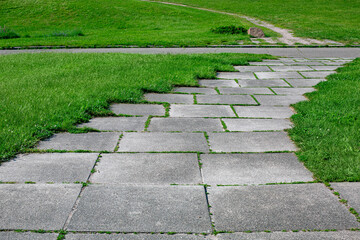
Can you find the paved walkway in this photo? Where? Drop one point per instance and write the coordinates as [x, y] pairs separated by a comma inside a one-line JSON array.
[[192, 163]]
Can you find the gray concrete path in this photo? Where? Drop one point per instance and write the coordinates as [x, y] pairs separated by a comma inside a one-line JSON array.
[[217, 160]]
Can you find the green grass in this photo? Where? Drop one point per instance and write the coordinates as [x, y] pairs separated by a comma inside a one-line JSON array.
[[113, 22], [327, 128], [321, 19], [43, 93]]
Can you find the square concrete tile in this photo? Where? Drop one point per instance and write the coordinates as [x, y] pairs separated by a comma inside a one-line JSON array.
[[259, 168], [277, 100], [277, 75], [252, 68], [169, 98], [200, 90], [338, 235], [138, 109], [36, 206], [268, 63], [304, 82], [308, 63], [250, 142], [263, 111], [256, 124], [293, 91], [48, 167], [278, 207], [218, 83], [163, 142], [94, 141], [142, 209], [185, 125], [263, 83], [132, 236], [245, 91], [325, 68], [27, 236], [235, 75], [317, 74], [148, 168], [201, 111], [349, 191], [116, 123], [226, 99], [291, 68]]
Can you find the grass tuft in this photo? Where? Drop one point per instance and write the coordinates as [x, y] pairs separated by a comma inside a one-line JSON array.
[[73, 33], [6, 33], [229, 30]]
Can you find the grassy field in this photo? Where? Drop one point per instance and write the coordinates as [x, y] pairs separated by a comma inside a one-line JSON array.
[[321, 19], [112, 22], [43, 93], [327, 128]]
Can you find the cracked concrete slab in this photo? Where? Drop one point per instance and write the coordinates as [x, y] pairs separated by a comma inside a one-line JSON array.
[[349, 191]]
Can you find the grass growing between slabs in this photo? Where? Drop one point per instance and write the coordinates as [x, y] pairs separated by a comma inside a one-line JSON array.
[[327, 128], [47, 92]]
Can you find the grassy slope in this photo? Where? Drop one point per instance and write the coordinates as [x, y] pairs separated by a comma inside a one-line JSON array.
[[113, 22], [322, 19], [327, 128], [41, 93]]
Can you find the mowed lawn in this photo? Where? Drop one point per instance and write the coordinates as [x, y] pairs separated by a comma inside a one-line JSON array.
[[321, 19], [100, 23]]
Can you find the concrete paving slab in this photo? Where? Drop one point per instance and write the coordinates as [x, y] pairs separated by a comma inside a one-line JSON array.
[[185, 125], [325, 68], [200, 90], [48, 167], [218, 83], [226, 99], [263, 111], [349, 191], [245, 91], [27, 236], [304, 82], [169, 98], [277, 75], [116, 123], [250, 142], [246, 125], [291, 68], [36, 206], [263, 83], [131, 236], [331, 63], [266, 63], [278, 207], [138, 109], [317, 74], [163, 142], [235, 75], [293, 91], [252, 68], [277, 100], [201, 111], [142, 209], [93, 141], [307, 63], [338, 235], [259, 168], [148, 168]]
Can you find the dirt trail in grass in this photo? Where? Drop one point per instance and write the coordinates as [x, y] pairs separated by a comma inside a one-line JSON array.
[[287, 36]]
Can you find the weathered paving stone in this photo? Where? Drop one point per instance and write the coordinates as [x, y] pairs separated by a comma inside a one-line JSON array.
[[334, 63], [331, 235], [130, 236], [291, 68], [142, 209], [304, 82], [235, 75], [319, 74], [170, 98], [278, 207], [259, 168], [325, 68], [292, 91], [48, 167], [200, 90], [36, 206], [117, 123], [163, 142], [257, 124], [226, 99], [308, 63], [250, 142], [349, 191], [277, 100], [94, 141], [218, 83], [266, 63], [276, 75], [185, 125], [252, 68], [245, 91], [263, 83], [148, 168], [138, 109], [201, 111], [263, 112], [27, 236]]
